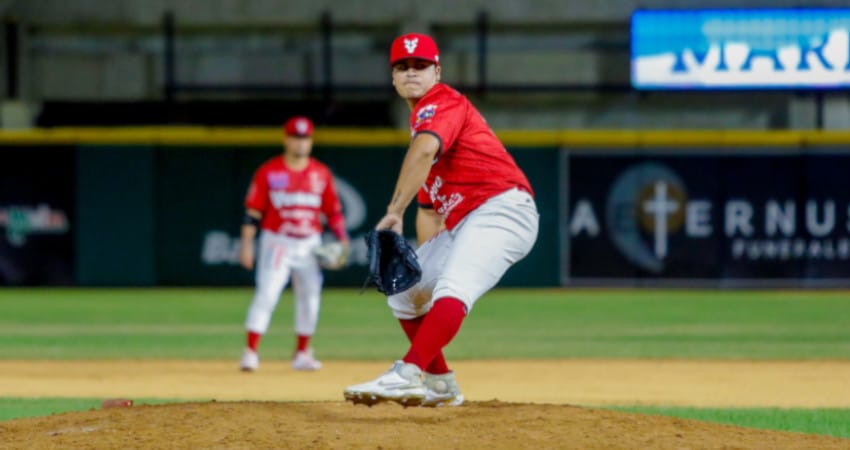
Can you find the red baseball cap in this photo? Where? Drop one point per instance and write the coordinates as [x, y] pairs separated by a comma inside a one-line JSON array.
[[300, 126], [414, 45]]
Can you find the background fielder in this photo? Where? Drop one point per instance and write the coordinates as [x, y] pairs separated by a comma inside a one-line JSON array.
[[286, 199]]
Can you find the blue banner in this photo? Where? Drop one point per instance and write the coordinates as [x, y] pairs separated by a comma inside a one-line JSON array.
[[741, 49]]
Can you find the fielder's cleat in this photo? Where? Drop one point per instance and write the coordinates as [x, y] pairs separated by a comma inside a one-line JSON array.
[[401, 384], [304, 360], [441, 390], [250, 361]]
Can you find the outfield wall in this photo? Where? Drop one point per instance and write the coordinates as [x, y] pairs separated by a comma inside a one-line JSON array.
[[144, 207]]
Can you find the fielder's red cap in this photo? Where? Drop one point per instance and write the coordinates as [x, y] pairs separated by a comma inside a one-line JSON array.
[[300, 126], [414, 45]]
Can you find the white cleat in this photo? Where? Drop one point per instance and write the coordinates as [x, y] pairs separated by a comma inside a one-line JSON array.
[[441, 390], [250, 361], [304, 360], [401, 384]]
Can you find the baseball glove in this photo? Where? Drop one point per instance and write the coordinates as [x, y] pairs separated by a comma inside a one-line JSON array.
[[393, 266], [332, 255]]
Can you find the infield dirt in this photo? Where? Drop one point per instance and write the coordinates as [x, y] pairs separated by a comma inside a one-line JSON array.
[[511, 404]]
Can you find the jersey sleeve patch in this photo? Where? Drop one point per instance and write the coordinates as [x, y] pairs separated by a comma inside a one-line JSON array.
[[425, 115], [443, 113]]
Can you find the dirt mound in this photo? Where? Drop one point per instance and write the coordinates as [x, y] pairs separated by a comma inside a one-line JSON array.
[[318, 425]]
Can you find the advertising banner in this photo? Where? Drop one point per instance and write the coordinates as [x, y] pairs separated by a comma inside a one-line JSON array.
[[756, 217], [741, 48], [36, 216]]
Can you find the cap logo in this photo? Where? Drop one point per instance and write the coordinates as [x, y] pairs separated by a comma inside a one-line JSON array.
[[410, 44], [301, 126]]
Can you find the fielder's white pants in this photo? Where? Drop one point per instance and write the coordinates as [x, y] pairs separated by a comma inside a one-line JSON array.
[[469, 260], [279, 258]]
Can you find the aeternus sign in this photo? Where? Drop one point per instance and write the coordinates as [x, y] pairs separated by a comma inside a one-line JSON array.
[[707, 217]]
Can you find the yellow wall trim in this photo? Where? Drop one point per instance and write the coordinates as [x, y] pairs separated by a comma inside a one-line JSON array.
[[270, 136]]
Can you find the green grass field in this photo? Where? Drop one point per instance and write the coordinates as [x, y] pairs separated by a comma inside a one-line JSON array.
[[507, 323]]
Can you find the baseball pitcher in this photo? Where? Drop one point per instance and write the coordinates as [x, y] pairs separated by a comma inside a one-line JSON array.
[[476, 218]]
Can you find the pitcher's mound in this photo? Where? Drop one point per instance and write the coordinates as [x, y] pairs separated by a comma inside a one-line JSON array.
[[490, 425]]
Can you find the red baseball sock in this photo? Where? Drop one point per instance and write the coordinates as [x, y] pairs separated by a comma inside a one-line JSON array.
[[410, 326], [303, 343], [437, 329], [438, 366], [254, 340]]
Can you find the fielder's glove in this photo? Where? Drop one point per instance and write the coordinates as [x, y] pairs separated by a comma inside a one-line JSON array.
[[393, 266], [332, 255]]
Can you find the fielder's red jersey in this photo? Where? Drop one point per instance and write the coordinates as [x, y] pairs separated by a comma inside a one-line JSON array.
[[292, 201], [472, 164]]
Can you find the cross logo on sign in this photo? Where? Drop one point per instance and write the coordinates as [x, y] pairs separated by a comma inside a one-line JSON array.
[[410, 44]]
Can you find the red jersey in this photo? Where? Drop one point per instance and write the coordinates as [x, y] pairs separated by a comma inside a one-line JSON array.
[[292, 201], [472, 164]]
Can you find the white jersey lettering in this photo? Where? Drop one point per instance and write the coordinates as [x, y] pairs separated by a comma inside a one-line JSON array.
[[281, 199]]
